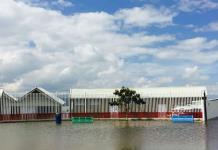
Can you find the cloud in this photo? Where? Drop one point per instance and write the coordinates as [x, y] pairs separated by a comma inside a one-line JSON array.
[[159, 81], [56, 51], [164, 80], [198, 49], [190, 72], [213, 26], [13, 87], [48, 4], [212, 91], [63, 3], [43, 47], [146, 16], [197, 5]]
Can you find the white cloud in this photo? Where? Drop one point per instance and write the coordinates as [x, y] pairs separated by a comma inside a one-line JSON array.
[[164, 80], [158, 81], [213, 26], [189, 26], [212, 91], [63, 3], [108, 71], [196, 49], [89, 49], [49, 4], [14, 86], [193, 74], [199, 5], [69, 51], [146, 16], [190, 71], [86, 53]]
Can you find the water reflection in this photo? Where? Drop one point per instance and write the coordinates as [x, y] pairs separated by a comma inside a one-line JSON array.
[[161, 135], [212, 134], [109, 135]]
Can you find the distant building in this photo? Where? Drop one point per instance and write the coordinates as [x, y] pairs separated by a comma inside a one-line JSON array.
[[212, 108], [160, 102], [36, 104], [8, 105], [40, 104]]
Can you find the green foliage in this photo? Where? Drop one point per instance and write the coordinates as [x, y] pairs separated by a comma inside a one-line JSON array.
[[127, 96], [114, 103]]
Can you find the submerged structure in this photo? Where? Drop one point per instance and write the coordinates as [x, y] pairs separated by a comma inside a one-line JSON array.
[[8, 106], [160, 102], [34, 105]]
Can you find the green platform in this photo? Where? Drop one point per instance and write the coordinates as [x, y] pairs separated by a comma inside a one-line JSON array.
[[82, 119]]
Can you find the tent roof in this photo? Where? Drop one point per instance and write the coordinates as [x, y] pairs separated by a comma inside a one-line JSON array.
[[54, 97], [1, 91], [12, 97], [197, 91]]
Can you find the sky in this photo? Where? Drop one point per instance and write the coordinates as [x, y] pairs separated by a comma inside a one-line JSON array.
[[62, 44]]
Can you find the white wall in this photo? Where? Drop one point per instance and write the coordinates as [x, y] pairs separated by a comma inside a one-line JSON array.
[[212, 109]]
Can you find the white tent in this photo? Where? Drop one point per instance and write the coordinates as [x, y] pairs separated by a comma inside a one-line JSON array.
[[163, 92], [7, 102]]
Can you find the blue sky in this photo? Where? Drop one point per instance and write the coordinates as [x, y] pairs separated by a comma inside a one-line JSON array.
[[62, 44]]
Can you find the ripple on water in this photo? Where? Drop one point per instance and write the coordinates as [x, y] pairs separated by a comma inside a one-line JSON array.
[[109, 135]]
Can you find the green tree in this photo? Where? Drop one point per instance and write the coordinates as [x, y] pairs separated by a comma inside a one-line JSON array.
[[126, 97]]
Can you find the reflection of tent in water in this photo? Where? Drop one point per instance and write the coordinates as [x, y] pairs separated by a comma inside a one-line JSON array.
[[127, 137]]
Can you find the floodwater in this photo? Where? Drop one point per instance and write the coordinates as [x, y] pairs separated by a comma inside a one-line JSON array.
[[109, 135]]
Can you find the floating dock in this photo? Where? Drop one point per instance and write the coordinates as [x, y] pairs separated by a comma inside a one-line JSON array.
[[82, 120], [182, 118]]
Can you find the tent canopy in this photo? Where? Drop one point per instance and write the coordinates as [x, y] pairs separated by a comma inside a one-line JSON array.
[[41, 90], [6, 93]]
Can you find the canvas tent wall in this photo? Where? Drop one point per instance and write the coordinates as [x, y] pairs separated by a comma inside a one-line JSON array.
[[40, 101], [8, 104], [159, 102]]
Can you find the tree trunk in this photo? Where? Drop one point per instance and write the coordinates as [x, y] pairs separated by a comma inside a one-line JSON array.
[[126, 111]]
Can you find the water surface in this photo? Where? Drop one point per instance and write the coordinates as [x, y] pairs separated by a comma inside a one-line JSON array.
[[109, 135]]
